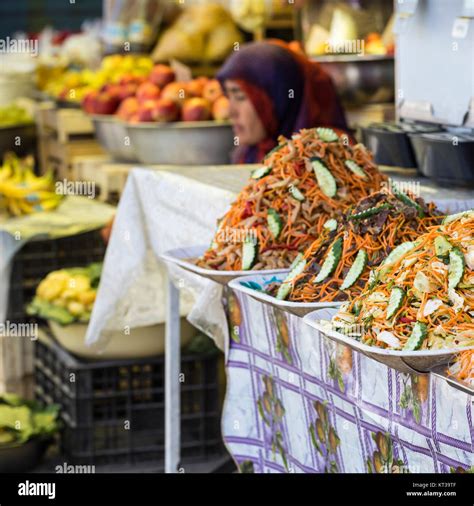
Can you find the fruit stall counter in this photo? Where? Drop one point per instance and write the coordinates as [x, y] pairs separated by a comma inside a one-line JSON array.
[[133, 287]]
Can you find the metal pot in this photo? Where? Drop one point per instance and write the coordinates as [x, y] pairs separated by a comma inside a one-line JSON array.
[[361, 80], [112, 135], [182, 143]]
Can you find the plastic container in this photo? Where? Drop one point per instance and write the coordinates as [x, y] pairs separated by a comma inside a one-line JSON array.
[[113, 411]]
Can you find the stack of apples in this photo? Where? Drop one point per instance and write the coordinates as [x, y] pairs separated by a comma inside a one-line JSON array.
[[160, 98]]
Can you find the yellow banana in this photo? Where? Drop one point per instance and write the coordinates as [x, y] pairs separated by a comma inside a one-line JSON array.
[[13, 207]]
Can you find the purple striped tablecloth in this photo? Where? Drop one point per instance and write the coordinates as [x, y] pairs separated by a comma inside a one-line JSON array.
[[297, 402]]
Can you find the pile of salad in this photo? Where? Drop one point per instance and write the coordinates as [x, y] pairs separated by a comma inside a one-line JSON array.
[[303, 182], [337, 265], [422, 295]]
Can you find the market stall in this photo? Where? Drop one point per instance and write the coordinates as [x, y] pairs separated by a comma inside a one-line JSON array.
[[307, 309]]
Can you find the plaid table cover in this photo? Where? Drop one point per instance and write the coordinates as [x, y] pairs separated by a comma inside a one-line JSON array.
[[298, 402]]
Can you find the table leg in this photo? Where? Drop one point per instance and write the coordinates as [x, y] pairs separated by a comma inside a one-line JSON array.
[[172, 384]]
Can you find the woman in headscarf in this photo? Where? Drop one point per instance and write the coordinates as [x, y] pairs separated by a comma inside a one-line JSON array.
[[274, 90]]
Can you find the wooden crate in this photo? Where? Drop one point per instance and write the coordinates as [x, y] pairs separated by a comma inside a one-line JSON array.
[[63, 135], [109, 176]]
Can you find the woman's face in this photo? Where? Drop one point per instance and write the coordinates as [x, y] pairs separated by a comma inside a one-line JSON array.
[[245, 120]]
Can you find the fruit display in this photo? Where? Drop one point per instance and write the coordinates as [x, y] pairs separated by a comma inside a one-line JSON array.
[[159, 98], [421, 297], [126, 70], [201, 33], [22, 420], [14, 114], [67, 296], [21, 191]]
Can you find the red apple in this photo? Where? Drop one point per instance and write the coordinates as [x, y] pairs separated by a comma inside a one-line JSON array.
[[127, 108], [165, 110], [220, 108], [196, 109], [88, 101], [127, 90], [147, 91], [131, 79], [161, 75], [176, 91], [212, 90], [146, 111], [196, 86]]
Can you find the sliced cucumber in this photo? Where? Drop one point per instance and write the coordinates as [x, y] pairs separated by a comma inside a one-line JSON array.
[[372, 211], [325, 179], [275, 225], [453, 217], [398, 252], [442, 246], [403, 197], [327, 134], [356, 169], [296, 194], [456, 267], [297, 267], [357, 268], [395, 302], [330, 225], [261, 172], [331, 261], [418, 335], [249, 254]]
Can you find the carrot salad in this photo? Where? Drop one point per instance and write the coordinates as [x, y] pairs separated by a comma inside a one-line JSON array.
[[421, 297], [463, 367], [303, 182], [364, 237]]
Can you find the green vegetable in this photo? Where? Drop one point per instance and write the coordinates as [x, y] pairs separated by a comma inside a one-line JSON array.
[[398, 252], [356, 270], [296, 268], [249, 254], [356, 169], [275, 224], [261, 172], [442, 246], [48, 311], [325, 179], [372, 211], [21, 420], [395, 302], [327, 134], [331, 224], [418, 335], [296, 194], [403, 197], [456, 267], [453, 217], [331, 261]]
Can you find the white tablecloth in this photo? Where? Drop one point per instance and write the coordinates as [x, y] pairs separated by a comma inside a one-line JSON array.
[[162, 210]]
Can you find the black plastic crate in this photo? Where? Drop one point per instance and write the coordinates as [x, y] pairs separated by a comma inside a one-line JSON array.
[[39, 257], [106, 396]]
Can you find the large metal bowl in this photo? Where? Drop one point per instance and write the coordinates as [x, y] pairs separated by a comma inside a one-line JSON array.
[[361, 80], [113, 136], [182, 143]]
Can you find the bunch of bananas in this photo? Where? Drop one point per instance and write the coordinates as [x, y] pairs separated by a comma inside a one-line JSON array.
[[67, 295], [21, 191]]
